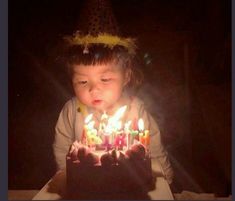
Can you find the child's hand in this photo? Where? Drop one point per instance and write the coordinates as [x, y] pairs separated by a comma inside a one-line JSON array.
[[73, 151]]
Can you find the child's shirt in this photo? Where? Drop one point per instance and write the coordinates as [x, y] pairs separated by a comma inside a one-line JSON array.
[[70, 126]]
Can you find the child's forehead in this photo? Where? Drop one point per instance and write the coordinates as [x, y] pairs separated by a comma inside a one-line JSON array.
[[98, 68]]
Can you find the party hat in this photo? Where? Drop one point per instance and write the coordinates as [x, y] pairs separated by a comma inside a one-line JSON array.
[[97, 26], [97, 17]]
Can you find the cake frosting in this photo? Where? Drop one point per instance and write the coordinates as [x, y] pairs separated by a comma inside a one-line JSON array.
[[108, 174]]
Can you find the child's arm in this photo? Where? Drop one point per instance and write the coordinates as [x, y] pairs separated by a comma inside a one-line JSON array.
[[158, 152], [64, 135]]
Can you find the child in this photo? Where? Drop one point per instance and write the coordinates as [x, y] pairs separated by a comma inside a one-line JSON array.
[[101, 79], [103, 74]]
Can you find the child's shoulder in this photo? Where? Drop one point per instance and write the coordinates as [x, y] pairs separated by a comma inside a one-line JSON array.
[[71, 101], [71, 104], [136, 101]]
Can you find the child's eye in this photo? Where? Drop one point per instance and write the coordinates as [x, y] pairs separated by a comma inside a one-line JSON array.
[[106, 79], [82, 82]]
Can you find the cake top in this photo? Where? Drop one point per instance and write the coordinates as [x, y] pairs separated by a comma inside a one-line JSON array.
[[85, 155]]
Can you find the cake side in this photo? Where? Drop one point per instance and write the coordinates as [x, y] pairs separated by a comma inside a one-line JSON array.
[[126, 177], [128, 173]]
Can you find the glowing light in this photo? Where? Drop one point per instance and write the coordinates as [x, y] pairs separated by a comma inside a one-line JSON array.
[[104, 116], [90, 125], [141, 124], [119, 125], [88, 118], [113, 132], [127, 126], [146, 55], [113, 122], [119, 113], [148, 61]]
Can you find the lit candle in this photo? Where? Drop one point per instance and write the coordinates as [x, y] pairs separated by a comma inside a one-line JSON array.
[[144, 134], [114, 124], [141, 129], [120, 141], [117, 130], [85, 129], [90, 134], [106, 140], [103, 122], [147, 138], [127, 132], [134, 137], [114, 121]]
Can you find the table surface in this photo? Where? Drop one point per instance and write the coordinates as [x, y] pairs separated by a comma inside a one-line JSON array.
[[22, 194], [161, 192], [54, 189]]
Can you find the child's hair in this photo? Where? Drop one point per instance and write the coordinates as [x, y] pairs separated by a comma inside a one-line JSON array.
[[99, 54]]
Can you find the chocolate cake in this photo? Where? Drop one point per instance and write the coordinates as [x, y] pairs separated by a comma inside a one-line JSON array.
[[113, 174]]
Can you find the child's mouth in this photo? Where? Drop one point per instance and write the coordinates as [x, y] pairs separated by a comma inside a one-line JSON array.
[[96, 102]]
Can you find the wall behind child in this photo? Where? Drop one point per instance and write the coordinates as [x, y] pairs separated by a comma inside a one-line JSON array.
[[184, 47]]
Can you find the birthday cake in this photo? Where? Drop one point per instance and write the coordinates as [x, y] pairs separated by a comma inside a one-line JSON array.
[[108, 174], [109, 166]]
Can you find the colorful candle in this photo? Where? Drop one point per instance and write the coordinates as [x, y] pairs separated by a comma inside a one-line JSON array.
[[127, 132], [85, 129], [91, 132], [120, 141], [147, 138], [111, 133], [143, 134], [103, 123], [133, 136], [107, 141]]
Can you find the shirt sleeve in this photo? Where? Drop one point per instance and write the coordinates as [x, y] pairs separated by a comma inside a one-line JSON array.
[[157, 150], [64, 135]]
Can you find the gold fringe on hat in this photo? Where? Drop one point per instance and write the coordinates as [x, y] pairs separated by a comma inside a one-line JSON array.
[[105, 39]]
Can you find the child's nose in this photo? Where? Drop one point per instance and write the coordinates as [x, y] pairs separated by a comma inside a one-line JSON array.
[[94, 87]]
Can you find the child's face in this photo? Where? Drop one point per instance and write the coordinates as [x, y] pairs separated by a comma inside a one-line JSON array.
[[99, 86]]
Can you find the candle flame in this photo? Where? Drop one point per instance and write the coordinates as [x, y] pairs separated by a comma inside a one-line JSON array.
[[88, 118], [113, 122], [108, 129], [119, 125], [91, 124], [127, 125], [141, 124], [119, 113], [104, 116]]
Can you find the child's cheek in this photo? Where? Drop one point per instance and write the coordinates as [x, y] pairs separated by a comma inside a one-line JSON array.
[[79, 92]]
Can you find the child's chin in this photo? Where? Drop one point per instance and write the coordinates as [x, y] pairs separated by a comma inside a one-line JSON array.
[[99, 107]]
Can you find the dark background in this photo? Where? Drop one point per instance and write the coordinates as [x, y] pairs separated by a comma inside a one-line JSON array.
[[185, 49]]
